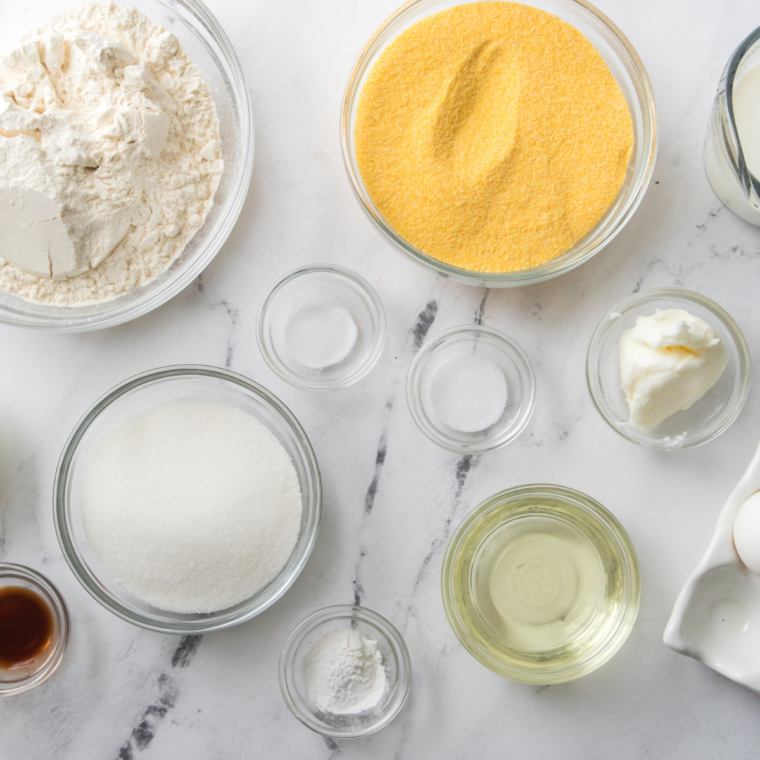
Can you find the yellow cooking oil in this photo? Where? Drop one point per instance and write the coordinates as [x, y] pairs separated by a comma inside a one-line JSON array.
[[541, 583]]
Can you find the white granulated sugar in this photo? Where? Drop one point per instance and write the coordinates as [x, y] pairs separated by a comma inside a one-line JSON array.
[[193, 506], [344, 673], [469, 393], [109, 156]]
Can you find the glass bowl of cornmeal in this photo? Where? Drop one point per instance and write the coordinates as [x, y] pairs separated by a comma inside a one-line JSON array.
[[704, 418], [499, 144], [541, 584]]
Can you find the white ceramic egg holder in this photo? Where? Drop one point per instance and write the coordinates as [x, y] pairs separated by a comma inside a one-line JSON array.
[[716, 618]]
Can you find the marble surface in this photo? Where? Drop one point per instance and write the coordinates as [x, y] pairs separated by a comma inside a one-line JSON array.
[[392, 498]]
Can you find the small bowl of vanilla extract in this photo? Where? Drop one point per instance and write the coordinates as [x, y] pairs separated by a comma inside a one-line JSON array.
[[34, 629]]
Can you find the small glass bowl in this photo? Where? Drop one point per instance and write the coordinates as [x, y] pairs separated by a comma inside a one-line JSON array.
[[15, 681], [629, 72], [469, 341], [704, 420], [142, 393], [395, 658], [529, 651], [209, 48], [321, 285]]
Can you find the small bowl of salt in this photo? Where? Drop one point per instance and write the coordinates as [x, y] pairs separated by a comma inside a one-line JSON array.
[[321, 328], [471, 389], [345, 672]]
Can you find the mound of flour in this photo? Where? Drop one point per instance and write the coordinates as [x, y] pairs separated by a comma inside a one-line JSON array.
[[109, 156]]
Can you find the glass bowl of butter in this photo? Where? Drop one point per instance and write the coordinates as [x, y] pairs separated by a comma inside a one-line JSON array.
[[123, 236], [668, 369]]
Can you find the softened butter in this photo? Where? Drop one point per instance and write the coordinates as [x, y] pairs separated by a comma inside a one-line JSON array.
[[667, 362]]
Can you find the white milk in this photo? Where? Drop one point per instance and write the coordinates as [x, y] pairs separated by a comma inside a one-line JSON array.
[[747, 117]]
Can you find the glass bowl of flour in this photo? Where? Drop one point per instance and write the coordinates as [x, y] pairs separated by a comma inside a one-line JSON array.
[[187, 499], [128, 210], [345, 672]]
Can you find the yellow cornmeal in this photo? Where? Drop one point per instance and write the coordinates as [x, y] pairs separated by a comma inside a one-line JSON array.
[[492, 136]]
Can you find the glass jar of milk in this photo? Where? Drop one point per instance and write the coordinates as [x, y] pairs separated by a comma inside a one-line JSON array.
[[732, 143]]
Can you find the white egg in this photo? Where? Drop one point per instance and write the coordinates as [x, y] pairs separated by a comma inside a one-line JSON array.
[[747, 533]]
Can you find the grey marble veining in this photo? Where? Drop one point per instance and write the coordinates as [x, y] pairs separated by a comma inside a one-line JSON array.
[[392, 499]]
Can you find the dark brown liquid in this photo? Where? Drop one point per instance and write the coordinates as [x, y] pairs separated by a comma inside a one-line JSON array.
[[26, 626]]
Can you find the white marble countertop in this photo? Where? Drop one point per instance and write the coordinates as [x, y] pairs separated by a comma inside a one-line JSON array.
[[126, 693]]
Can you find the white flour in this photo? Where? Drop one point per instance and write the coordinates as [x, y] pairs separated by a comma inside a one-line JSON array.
[[109, 156], [344, 673]]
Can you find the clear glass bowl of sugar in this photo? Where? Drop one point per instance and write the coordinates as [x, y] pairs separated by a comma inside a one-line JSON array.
[[209, 48], [321, 327], [471, 389], [147, 392], [395, 661]]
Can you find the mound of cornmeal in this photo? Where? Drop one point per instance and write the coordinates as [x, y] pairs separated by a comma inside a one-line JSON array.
[[492, 136]]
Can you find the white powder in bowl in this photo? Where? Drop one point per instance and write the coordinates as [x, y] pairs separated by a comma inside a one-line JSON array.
[[109, 156], [191, 507], [319, 336], [344, 673], [469, 393]]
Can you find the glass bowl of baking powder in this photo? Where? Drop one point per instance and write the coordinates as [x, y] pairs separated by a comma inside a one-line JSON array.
[[351, 690], [206, 44]]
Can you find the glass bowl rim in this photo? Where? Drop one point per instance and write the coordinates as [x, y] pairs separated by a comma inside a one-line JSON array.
[[346, 612], [377, 312], [71, 321], [593, 359], [520, 360], [60, 612], [566, 261], [629, 563], [216, 620]]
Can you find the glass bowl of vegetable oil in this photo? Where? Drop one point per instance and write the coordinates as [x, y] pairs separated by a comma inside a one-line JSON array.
[[541, 584]]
